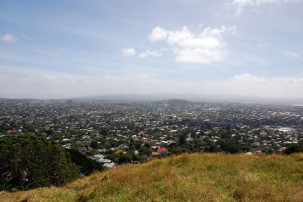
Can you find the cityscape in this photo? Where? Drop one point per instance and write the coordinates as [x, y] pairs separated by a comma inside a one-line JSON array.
[[118, 132]]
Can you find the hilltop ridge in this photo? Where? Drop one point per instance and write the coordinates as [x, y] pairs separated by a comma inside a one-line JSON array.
[[194, 177]]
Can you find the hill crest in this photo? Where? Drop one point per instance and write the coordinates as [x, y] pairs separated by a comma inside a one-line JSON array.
[[194, 177]]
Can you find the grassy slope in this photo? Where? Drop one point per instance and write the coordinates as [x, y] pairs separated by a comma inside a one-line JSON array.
[[194, 177]]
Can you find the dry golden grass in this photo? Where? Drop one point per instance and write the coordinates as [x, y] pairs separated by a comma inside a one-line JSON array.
[[188, 177]]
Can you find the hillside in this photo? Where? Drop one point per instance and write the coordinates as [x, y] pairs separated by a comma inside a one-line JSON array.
[[194, 177]]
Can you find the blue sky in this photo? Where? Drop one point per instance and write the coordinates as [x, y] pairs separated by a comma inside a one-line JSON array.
[[57, 49]]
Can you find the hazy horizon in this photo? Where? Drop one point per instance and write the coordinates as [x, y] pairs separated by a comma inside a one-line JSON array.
[[67, 49]]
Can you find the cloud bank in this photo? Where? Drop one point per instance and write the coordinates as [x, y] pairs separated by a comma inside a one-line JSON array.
[[63, 86]]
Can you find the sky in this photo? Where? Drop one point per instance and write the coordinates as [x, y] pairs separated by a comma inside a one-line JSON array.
[[75, 48]]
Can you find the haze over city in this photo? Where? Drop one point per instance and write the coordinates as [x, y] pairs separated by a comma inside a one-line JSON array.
[[65, 49]]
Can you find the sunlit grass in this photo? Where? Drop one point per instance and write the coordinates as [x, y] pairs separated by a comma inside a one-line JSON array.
[[188, 177]]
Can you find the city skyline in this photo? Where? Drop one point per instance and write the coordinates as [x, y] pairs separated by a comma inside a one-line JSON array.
[[63, 49]]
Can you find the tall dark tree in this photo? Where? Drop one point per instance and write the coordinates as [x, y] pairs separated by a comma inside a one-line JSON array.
[[94, 144], [182, 139]]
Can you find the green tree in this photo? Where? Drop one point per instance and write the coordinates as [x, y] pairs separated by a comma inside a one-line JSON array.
[[28, 161], [94, 144], [125, 158], [230, 146], [294, 148], [86, 165], [182, 139]]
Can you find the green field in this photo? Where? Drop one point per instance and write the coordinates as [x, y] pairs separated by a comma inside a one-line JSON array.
[[187, 177]]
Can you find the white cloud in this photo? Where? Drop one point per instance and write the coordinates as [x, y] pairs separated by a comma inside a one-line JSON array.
[[128, 52], [203, 48], [241, 4], [148, 53], [158, 34], [197, 55], [49, 53], [291, 54], [8, 38]]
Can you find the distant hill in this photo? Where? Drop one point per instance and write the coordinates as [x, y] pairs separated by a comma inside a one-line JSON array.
[[174, 102], [216, 98], [194, 97], [188, 177]]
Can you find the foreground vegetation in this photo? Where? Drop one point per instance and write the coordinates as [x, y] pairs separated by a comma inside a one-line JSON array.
[[195, 177], [29, 161]]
